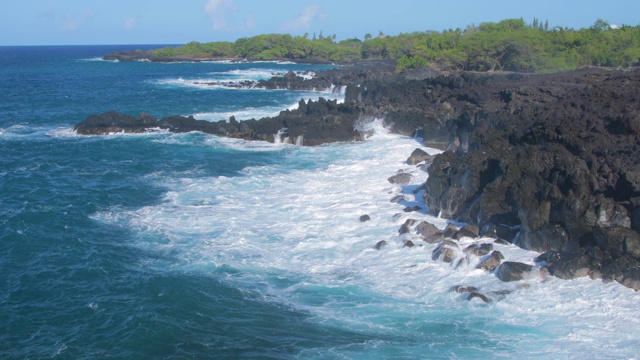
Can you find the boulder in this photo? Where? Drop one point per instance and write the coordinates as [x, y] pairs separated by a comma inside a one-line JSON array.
[[514, 271], [406, 227], [365, 218], [547, 259], [463, 289], [426, 229], [571, 267], [380, 244], [506, 232], [449, 231], [401, 179], [477, 295], [618, 241], [491, 262], [446, 251], [468, 230], [478, 249], [418, 156], [631, 278]]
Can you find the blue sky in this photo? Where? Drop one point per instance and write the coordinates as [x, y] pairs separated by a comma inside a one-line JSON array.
[[75, 22]]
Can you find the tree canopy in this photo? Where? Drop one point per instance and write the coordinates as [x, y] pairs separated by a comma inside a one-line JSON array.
[[510, 45]]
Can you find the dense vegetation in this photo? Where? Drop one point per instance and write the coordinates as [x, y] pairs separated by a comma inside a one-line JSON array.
[[509, 45]]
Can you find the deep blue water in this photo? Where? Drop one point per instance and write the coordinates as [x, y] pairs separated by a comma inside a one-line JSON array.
[[76, 288], [192, 246]]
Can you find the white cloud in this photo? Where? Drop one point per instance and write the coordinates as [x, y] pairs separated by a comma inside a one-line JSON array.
[[249, 23], [72, 23], [218, 10], [130, 23], [305, 19]]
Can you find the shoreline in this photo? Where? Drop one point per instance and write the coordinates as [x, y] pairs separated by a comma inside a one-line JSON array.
[[522, 151]]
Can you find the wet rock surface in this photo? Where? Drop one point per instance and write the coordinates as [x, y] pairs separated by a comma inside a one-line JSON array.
[[492, 261], [514, 271]]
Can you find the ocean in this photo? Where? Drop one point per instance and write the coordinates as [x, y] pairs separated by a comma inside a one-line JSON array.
[[194, 246]]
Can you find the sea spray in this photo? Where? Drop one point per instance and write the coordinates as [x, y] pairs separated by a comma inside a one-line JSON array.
[[300, 243]]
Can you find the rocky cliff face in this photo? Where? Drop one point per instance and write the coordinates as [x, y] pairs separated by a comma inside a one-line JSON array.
[[554, 155]]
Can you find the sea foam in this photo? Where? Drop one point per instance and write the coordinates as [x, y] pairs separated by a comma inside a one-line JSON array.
[[291, 232]]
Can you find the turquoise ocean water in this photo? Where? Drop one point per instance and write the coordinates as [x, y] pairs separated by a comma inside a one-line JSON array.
[[193, 246]]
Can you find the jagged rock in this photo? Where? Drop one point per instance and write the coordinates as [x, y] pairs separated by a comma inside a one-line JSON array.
[[547, 259], [115, 122], [380, 244], [618, 241], [491, 262], [501, 232], [401, 179], [631, 278], [418, 156], [462, 261], [321, 121], [446, 251], [434, 238], [364, 218], [406, 227], [412, 208], [397, 198], [468, 230], [507, 233], [463, 289], [429, 232], [449, 231], [409, 243], [513, 271], [478, 249], [571, 267], [474, 295]]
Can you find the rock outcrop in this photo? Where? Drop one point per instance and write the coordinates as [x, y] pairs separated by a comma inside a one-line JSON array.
[[555, 156], [312, 123]]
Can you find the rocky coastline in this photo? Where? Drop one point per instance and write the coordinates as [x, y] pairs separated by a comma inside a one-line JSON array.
[[548, 162]]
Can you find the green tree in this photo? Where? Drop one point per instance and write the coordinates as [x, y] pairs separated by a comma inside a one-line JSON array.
[[506, 45], [409, 62]]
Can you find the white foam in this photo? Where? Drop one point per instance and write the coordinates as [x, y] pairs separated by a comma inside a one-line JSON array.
[[202, 83], [274, 62], [28, 132], [243, 114], [292, 231], [266, 111], [252, 73], [232, 79], [216, 142], [99, 59]]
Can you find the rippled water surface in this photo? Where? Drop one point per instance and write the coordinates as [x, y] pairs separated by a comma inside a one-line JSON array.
[[190, 245]]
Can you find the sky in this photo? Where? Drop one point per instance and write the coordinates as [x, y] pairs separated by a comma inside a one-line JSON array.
[[88, 22]]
